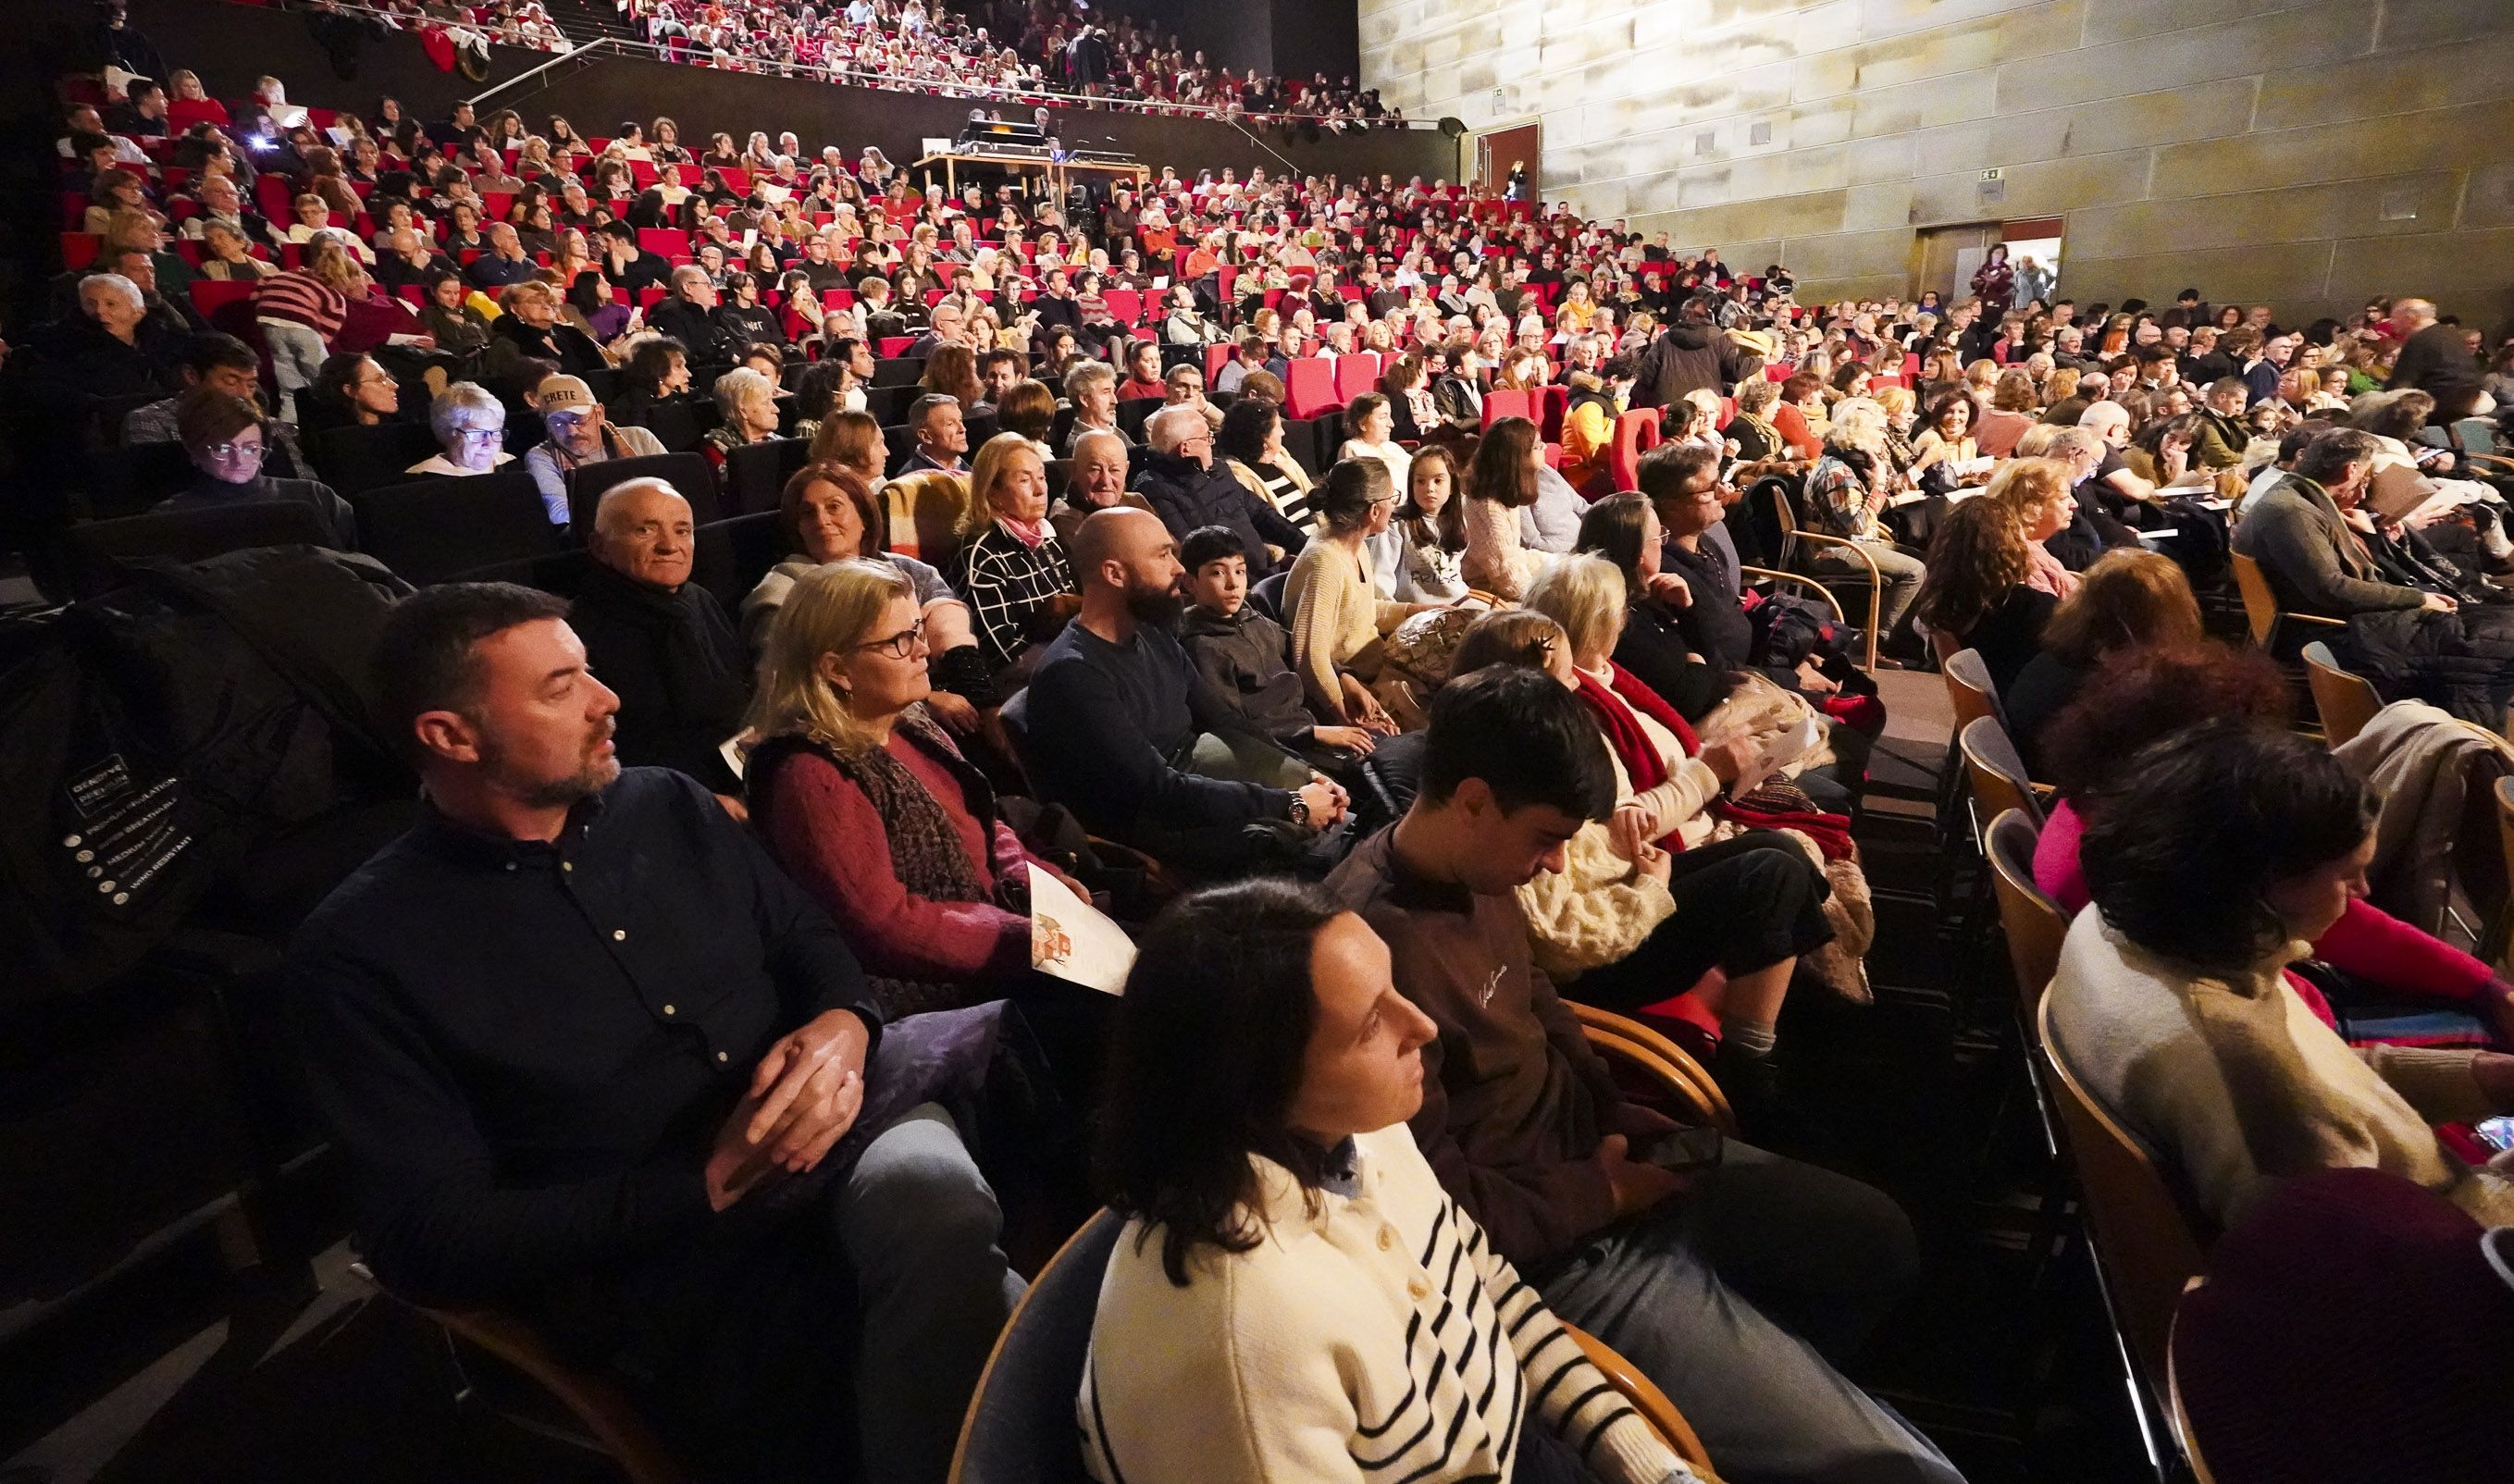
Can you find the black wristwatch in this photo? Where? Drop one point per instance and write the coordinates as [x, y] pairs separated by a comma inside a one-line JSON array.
[[1300, 813]]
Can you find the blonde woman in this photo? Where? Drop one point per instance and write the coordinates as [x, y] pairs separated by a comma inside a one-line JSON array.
[[870, 805], [2036, 491], [1013, 569], [748, 401]]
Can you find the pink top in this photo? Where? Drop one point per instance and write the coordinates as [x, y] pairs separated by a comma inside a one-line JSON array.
[[2367, 941], [1998, 432], [826, 833]]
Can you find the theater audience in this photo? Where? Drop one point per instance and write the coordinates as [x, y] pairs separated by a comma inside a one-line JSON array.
[[221, 362], [1241, 653], [1250, 442], [471, 427], [827, 512], [2036, 491], [2128, 601], [228, 438], [2312, 541], [578, 435], [591, 1058], [941, 429], [1188, 490], [1847, 493], [660, 641], [1121, 729], [864, 798], [1256, 1140], [1977, 595], [1014, 570], [1501, 484], [1651, 645], [1338, 622], [2214, 857], [1527, 1133], [2371, 977]]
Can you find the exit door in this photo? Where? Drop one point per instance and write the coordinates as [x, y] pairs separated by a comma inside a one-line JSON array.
[[1500, 148]]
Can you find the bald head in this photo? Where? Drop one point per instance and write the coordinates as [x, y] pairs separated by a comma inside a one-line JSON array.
[[1177, 429], [643, 530], [1119, 534], [2412, 314]]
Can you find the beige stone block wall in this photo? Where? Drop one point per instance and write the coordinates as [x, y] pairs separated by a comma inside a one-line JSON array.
[[2311, 153]]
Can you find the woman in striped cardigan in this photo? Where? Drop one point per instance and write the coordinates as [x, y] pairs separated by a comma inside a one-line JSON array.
[[1295, 1296]]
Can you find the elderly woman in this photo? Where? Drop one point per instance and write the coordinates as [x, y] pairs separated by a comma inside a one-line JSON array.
[[1332, 604], [470, 426], [2213, 858], [1751, 904], [747, 401], [227, 257], [1013, 569], [829, 513], [227, 439], [2037, 493], [870, 807], [1258, 1171], [530, 330], [1846, 495]]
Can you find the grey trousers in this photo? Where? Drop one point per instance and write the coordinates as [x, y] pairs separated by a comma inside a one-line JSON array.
[[1690, 1293], [922, 1231]]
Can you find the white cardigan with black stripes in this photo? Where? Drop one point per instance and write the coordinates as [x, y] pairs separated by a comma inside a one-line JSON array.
[[1375, 1336]]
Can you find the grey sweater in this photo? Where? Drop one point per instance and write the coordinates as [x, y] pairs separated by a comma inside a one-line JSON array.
[[2314, 563]]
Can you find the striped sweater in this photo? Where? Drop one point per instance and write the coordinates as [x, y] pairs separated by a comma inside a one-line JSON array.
[[301, 298], [1377, 1337]]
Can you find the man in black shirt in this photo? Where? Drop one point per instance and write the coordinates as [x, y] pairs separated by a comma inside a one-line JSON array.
[[593, 1057], [662, 641]]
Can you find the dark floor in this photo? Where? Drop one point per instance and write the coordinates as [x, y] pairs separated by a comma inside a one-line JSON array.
[[180, 1371]]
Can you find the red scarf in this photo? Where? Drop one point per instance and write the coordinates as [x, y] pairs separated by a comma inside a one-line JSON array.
[[1615, 702]]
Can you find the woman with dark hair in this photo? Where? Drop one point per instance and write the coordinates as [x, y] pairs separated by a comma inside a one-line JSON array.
[[2213, 858], [2130, 599], [350, 389], [2372, 978], [1251, 439], [742, 317], [1975, 592], [1336, 620], [1625, 531], [952, 370], [1254, 1137], [1501, 482], [828, 513], [657, 373]]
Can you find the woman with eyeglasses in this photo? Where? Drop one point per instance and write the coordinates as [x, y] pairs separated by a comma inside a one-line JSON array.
[[867, 801], [470, 426], [226, 438]]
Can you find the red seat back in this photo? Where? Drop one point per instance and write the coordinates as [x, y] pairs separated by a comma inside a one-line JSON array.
[[1508, 404], [1357, 373], [664, 242], [1636, 432], [1309, 387], [1215, 358], [1554, 404]]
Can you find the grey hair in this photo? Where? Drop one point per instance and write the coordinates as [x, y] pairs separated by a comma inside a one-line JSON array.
[[125, 287], [1086, 374], [686, 274], [2076, 440], [1169, 427], [465, 400], [740, 385], [615, 497]]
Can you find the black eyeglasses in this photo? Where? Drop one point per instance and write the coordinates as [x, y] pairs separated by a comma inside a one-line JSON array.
[[901, 645]]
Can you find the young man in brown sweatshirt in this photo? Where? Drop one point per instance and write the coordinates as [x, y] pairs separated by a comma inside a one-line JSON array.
[[1527, 1132]]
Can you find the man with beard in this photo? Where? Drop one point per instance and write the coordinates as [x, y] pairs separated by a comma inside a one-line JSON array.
[[1125, 733], [593, 1059]]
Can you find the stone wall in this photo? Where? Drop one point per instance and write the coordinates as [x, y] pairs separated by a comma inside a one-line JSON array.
[[2306, 153]]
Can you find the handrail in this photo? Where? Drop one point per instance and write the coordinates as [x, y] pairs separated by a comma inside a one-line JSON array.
[[886, 83], [598, 43]]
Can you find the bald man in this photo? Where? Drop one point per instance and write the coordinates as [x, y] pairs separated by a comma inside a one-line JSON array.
[[659, 640], [2434, 358], [1123, 730]]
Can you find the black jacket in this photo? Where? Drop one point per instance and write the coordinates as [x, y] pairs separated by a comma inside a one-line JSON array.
[[1691, 357], [698, 330], [680, 668], [1185, 496]]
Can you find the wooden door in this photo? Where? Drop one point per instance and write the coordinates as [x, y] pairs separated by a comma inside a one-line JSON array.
[[1500, 148]]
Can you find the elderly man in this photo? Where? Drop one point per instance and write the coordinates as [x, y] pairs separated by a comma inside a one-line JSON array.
[[1187, 489], [1095, 480], [222, 201], [1092, 387], [111, 348], [663, 642], [592, 1058], [941, 431], [578, 435], [221, 362], [1124, 732], [503, 263], [2325, 556], [1183, 385], [471, 427], [2433, 357], [948, 326], [409, 260], [689, 316]]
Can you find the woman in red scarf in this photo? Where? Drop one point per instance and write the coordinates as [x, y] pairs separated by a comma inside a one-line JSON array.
[[1750, 905]]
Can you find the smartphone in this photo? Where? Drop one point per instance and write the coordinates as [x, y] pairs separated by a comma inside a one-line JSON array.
[[2496, 1133], [1679, 1150]]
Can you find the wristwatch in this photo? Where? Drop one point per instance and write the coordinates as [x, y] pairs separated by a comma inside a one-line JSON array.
[[1300, 811]]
